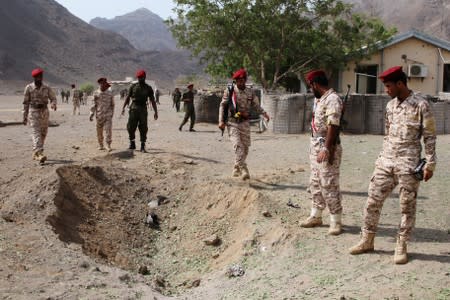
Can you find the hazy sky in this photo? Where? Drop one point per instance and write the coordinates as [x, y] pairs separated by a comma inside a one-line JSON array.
[[89, 9]]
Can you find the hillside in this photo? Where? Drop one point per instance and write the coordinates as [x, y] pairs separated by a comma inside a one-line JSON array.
[[42, 33], [144, 29], [429, 16]]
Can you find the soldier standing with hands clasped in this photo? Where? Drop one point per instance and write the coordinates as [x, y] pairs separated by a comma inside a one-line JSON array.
[[325, 154], [103, 109], [35, 110], [140, 93], [236, 103], [408, 119]]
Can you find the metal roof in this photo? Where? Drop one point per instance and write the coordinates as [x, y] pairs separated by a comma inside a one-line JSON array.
[[420, 36]]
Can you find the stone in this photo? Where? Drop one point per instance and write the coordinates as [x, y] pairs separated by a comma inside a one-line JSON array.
[[267, 214], [235, 271], [195, 283], [143, 270], [213, 240], [160, 281]]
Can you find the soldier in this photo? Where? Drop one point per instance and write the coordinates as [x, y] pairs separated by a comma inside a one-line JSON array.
[[176, 97], [36, 97], [189, 109], [76, 99], [85, 98], [157, 96], [140, 93], [408, 118], [242, 100], [325, 154], [103, 109], [63, 95], [67, 96]]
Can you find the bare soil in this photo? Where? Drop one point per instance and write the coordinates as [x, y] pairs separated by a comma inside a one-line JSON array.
[[76, 227]]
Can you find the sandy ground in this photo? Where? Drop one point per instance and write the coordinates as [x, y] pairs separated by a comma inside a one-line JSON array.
[[74, 228]]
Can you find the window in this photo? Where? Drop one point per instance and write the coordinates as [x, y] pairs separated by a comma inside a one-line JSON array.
[[366, 79], [446, 83]]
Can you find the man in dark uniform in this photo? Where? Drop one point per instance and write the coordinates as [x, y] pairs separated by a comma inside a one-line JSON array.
[[176, 97], [189, 110], [140, 93]]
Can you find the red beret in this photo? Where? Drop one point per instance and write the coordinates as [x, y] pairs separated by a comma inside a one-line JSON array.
[[101, 79], [140, 73], [190, 85], [392, 74], [72, 85], [314, 74], [37, 72], [240, 74]]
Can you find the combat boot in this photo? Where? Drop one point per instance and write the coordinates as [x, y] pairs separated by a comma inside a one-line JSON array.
[[41, 157], [132, 145], [365, 244], [100, 147], [108, 148], [143, 148], [245, 173], [315, 219], [335, 224], [400, 255], [36, 155], [236, 171]]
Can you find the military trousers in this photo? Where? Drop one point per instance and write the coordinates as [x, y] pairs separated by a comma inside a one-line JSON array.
[[76, 105], [137, 118], [240, 138], [189, 113], [324, 179], [104, 125], [39, 127], [383, 181]]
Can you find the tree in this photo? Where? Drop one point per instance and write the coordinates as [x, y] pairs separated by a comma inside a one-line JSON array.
[[87, 88], [274, 39]]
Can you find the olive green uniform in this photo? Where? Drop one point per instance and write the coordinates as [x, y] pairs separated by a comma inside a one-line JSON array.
[[139, 94], [189, 109]]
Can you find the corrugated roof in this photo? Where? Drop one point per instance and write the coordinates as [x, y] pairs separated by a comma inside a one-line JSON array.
[[420, 36]]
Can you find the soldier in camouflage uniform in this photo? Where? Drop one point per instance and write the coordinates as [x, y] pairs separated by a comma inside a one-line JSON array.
[[189, 109], [76, 99], [242, 100], [408, 119], [140, 93], [103, 109], [35, 110], [325, 154]]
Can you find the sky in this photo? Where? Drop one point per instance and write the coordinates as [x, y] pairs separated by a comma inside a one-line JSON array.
[[89, 9]]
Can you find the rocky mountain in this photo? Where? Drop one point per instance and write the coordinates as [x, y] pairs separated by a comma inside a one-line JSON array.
[[429, 16], [144, 29], [42, 33]]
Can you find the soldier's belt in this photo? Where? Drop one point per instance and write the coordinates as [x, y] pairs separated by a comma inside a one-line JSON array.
[[38, 106]]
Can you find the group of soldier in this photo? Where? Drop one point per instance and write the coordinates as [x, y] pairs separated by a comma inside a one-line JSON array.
[[408, 120]]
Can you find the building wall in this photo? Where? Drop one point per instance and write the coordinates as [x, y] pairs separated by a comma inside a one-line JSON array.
[[416, 51]]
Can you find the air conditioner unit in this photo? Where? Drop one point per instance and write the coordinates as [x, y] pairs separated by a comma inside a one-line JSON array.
[[417, 70]]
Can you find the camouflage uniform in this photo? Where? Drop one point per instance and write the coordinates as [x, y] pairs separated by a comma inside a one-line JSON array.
[[103, 109], [189, 109], [406, 123], [76, 94], [137, 118], [36, 111], [239, 130], [324, 179]]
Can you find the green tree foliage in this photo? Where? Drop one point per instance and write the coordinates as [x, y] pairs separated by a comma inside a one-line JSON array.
[[87, 88], [275, 39]]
